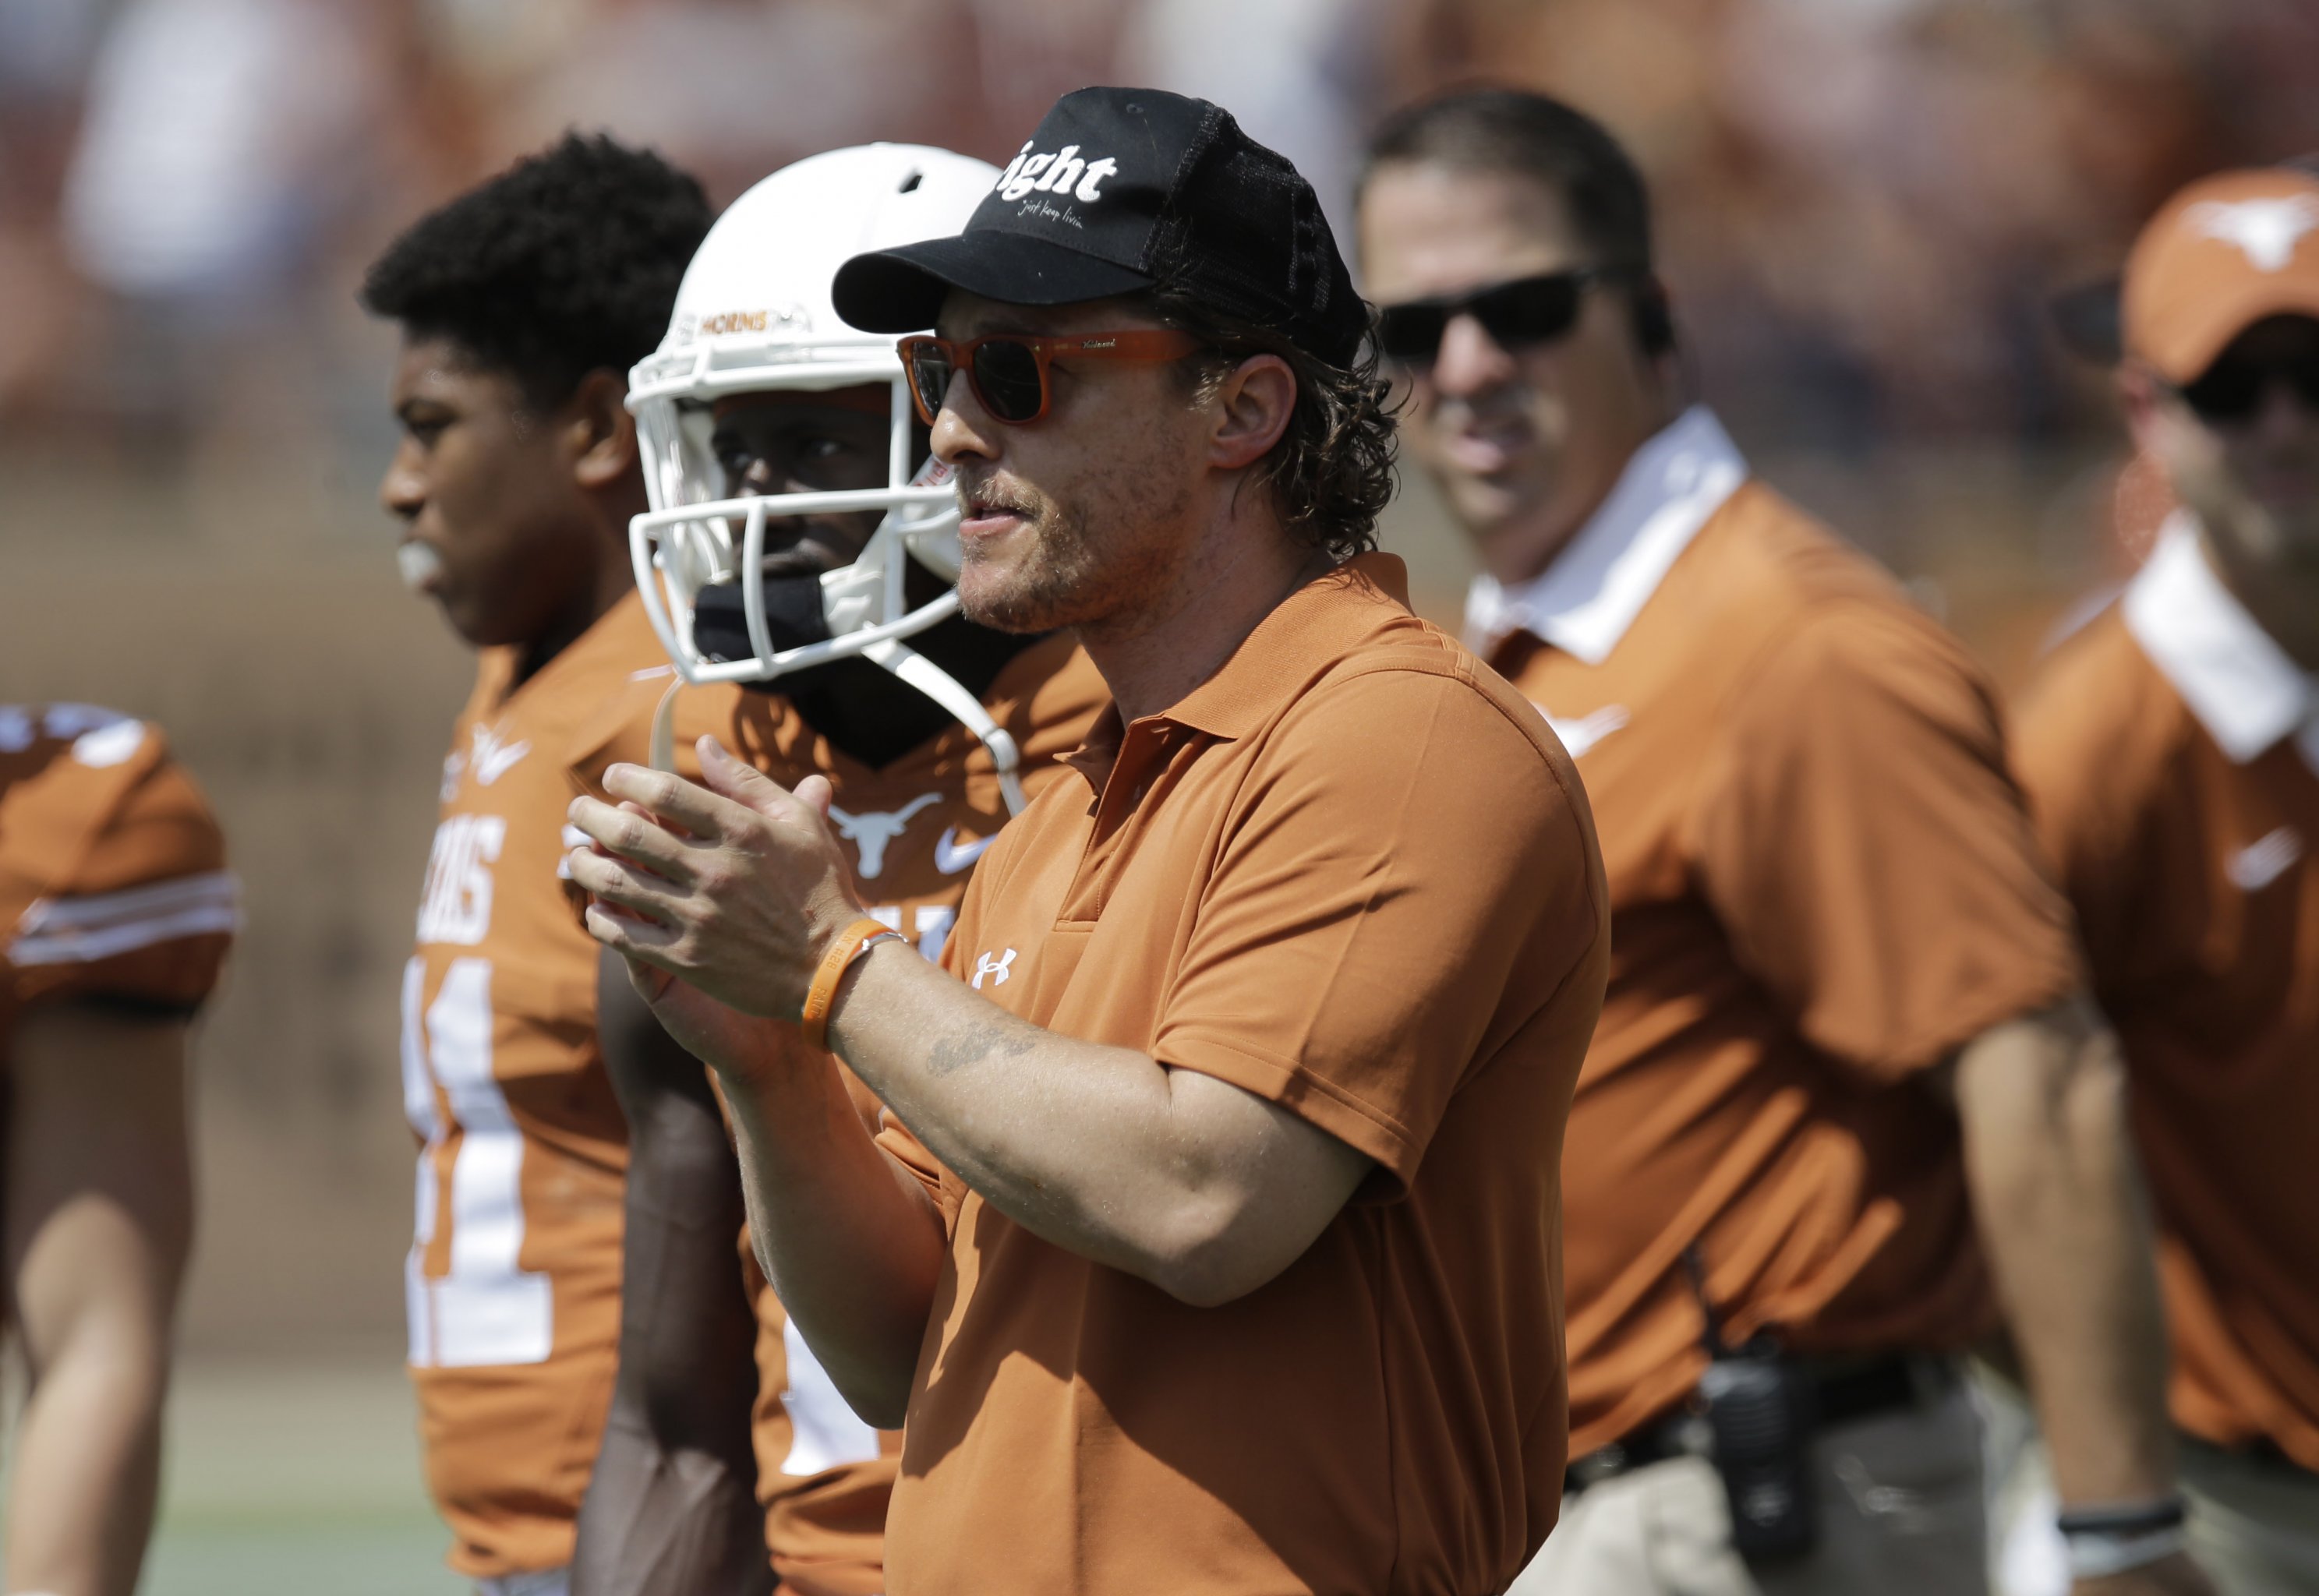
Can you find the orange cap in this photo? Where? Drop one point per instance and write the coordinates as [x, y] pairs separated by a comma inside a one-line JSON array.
[[2222, 255]]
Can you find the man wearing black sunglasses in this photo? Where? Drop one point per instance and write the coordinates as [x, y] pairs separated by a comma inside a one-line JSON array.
[[2170, 752], [1211, 1240], [1833, 941]]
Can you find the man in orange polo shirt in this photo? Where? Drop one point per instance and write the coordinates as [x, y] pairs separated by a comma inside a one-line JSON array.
[[1833, 948], [1211, 1242], [2169, 752]]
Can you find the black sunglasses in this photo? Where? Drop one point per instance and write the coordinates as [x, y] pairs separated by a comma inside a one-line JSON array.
[[2234, 387], [1517, 315]]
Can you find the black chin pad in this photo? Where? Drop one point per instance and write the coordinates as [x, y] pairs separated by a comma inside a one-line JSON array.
[[793, 617]]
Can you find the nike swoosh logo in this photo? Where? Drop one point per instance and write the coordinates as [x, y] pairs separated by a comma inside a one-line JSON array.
[[1581, 733], [492, 764], [2259, 863], [950, 856]]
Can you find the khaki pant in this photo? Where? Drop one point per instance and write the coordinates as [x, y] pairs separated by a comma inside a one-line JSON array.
[[1900, 1504], [554, 1582], [2254, 1525]]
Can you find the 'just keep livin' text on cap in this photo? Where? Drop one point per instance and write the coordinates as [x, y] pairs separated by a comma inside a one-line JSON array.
[[1118, 189]]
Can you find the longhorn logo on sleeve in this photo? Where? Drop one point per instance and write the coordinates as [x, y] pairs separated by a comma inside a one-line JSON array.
[[871, 834], [2265, 231]]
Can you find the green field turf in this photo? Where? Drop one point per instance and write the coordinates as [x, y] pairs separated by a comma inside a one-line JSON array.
[[292, 1479]]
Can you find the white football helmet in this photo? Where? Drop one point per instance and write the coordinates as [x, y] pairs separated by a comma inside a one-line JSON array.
[[754, 315]]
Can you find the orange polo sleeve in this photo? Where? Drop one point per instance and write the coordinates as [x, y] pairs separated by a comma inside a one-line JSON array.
[[2092, 746], [1862, 841], [1372, 934]]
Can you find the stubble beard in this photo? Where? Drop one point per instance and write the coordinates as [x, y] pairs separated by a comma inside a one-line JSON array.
[[1043, 592], [1075, 577]]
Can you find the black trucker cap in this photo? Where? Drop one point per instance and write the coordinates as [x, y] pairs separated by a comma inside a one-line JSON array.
[[1118, 188]]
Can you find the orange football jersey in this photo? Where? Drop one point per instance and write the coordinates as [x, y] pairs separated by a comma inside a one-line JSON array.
[[917, 827], [513, 1280], [113, 879]]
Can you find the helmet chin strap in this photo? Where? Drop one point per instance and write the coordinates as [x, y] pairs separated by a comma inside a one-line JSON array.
[[661, 747], [913, 668], [889, 652], [937, 684]]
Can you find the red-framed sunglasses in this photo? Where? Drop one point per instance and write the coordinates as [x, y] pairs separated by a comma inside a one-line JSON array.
[[1008, 371]]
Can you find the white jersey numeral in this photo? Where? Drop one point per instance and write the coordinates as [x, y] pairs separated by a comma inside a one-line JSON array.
[[823, 1431], [487, 1310], [456, 905], [929, 926]]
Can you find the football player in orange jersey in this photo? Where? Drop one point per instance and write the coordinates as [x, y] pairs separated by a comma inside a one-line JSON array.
[[115, 909], [779, 439], [522, 304]]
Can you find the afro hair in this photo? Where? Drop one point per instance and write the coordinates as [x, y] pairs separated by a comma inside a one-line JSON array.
[[566, 263]]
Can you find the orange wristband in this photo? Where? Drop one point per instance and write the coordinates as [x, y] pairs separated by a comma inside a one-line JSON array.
[[854, 940]]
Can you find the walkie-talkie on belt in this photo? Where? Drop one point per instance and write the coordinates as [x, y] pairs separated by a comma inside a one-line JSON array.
[[1758, 1407]]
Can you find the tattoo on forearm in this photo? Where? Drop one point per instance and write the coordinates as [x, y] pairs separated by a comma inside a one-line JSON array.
[[974, 1044]]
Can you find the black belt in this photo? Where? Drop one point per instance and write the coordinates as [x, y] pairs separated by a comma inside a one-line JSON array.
[[1842, 1393]]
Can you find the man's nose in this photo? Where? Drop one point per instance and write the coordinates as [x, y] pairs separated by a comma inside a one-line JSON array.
[[1469, 361], [402, 490], [962, 428]]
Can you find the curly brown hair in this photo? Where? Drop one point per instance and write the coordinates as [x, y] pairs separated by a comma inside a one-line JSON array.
[[1331, 473]]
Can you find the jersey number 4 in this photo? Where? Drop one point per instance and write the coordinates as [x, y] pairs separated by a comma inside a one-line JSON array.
[[484, 1309]]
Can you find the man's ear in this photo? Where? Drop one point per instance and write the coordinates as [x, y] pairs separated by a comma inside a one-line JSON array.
[[1253, 405], [598, 430]]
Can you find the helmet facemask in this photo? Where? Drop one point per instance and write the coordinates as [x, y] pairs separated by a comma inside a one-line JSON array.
[[754, 316], [699, 538]]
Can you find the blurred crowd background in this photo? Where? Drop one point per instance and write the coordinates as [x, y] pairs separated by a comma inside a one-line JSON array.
[[1865, 206]]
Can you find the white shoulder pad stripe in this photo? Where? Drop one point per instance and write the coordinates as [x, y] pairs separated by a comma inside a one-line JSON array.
[[97, 910], [83, 930]]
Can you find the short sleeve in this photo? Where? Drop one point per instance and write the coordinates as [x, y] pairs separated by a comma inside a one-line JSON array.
[[2090, 746], [143, 911], [1865, 847], [1407, 878]]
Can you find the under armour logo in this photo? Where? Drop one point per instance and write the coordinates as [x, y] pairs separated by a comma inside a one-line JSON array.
[[995, 968], [871, 834], [2266, 231]]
